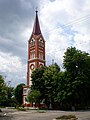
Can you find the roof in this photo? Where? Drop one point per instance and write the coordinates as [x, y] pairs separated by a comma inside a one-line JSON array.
[[36, 27]]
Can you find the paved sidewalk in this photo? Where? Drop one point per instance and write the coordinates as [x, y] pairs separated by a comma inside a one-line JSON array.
[[41, 115]]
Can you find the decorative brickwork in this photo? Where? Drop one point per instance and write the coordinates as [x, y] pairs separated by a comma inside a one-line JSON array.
[[36, 54]]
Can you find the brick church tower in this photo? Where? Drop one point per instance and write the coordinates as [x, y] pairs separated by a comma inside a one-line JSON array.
[[36, 54]]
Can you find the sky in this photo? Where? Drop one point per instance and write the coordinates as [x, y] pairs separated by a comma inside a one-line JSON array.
[[63, 23]]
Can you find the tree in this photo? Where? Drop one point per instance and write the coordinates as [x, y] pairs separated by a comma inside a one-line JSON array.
[[38, 81], [18, 93], [77, 75], [51, 83], [10, 101], [44, 79], [34, 96], [70, 87], [2, 90], [6, 93], [60, 89]]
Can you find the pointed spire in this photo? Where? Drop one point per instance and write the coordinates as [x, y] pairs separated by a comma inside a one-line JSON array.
[[36, 28]]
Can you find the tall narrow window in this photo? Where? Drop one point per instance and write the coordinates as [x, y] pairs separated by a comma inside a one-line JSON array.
[[32, 54]]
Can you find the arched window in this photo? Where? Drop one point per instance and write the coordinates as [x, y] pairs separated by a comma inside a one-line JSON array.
[[32, 43]]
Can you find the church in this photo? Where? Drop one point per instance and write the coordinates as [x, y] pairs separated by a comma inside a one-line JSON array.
[[36, 56]]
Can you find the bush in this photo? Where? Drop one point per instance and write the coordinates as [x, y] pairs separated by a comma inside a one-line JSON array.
[[22, 109], [22, 105]]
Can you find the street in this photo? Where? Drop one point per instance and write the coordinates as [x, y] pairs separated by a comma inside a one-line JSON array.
[[11, 114]]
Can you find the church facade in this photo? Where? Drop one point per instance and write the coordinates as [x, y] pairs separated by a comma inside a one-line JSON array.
[[36, 55]]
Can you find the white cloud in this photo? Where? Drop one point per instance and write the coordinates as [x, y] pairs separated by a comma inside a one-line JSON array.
[[12, 67], [65, 23]]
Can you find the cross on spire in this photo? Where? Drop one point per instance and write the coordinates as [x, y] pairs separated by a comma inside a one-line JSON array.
[[36, 10]]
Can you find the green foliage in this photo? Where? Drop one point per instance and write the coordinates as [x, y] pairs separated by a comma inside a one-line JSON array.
[[44, 79], [2, 90], [21, 109], [6, 94], [51, 82], [18, 93], [68, 88], [77, 77], [34, 96], [38, 81]]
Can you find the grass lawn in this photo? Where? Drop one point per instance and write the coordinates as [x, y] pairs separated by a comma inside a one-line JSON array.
[[66, 117]]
